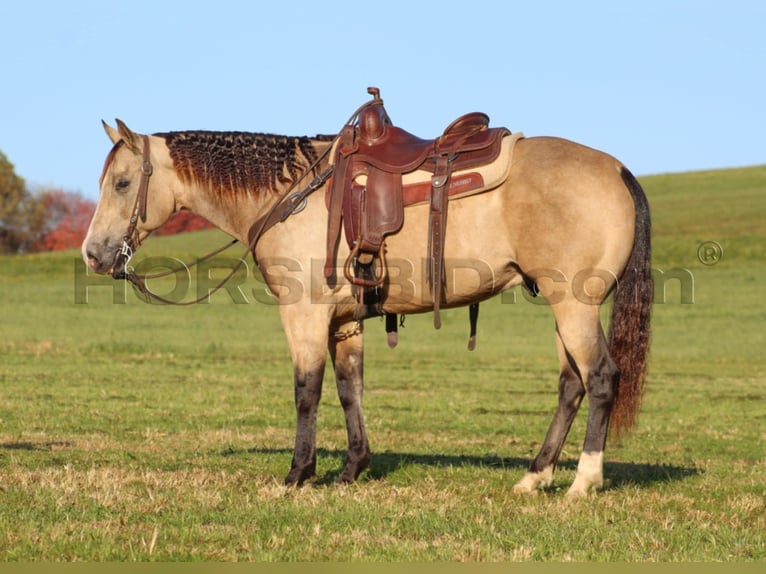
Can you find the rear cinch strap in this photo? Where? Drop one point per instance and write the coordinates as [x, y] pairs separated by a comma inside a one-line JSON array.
[[473, 317], [391, 330]]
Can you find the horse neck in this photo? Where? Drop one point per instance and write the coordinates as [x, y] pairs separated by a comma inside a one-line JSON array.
[[233, 215], [219, 177]]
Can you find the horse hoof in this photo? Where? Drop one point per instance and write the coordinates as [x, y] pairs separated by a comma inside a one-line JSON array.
[[343, 480], [352, 471], [575, 493], [533, 480], [583, 488], [290, 481], [523, 490], [297, 477]]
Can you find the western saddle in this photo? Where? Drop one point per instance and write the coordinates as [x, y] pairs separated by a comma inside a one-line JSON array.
[[366, 196]]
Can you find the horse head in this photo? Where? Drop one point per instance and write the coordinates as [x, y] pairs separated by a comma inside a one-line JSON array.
[[134, 199]]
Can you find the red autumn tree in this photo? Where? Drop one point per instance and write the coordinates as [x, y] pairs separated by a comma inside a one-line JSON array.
[[67, 217]]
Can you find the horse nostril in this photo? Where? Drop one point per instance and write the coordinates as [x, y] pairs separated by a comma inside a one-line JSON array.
[[92, 260]]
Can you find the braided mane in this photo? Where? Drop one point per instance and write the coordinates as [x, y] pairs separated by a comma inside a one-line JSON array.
[[231, 164]]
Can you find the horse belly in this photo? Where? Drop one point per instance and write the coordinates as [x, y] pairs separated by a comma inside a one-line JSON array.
[[478, 256]]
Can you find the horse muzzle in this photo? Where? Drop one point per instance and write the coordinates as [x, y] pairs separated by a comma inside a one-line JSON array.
[[108, 259]]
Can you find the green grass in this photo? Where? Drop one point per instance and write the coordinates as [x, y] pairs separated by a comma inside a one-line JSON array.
[[142, 432]]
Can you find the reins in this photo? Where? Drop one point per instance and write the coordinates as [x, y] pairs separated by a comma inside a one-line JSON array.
[[290, 202]]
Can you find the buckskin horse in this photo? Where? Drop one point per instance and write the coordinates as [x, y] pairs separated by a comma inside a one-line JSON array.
[[563, 220]]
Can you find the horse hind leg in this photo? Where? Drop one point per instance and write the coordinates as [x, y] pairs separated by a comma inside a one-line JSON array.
[[347, 354], [579, 328], [586, 368], [601, 385], [571, 393]]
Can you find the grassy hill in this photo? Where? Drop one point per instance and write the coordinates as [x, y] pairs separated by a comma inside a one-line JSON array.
[[131, 431]]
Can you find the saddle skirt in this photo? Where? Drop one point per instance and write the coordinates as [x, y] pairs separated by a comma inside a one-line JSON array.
[[416, 185]]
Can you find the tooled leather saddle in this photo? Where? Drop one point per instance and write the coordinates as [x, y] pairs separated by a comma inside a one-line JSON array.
[[366, 197]]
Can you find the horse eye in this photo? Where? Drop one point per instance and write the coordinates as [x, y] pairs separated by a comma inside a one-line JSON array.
[[122, 184]]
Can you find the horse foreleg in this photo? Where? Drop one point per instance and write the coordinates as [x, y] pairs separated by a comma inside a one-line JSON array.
[[306, 335], [308, 391], [571, 393], [347, 354]]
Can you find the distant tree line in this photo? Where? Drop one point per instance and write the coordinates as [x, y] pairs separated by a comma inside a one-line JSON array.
[[54, 219]]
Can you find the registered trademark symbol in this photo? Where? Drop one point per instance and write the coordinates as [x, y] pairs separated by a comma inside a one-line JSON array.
[[709, 252]]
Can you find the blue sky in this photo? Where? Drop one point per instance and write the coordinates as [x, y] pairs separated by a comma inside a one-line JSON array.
[[664, 86]]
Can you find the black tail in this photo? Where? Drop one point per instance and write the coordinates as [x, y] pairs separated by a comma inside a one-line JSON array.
[[631, 315]]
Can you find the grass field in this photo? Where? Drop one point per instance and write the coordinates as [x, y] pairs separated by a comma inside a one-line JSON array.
[[139, 432]]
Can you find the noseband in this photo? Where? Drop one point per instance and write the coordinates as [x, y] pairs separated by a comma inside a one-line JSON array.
[[130, 241]]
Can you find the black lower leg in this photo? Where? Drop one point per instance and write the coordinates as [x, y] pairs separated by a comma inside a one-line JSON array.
[[308, 391], [602, 384], [358, 457], [348, 361], [571, 392]]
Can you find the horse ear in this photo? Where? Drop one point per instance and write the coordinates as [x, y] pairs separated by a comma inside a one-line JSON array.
[[132, 140], [113, 134]]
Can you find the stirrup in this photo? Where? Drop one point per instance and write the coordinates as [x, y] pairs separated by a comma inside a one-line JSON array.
[[379, 269]]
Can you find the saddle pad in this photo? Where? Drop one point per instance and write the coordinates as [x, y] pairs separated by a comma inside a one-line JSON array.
[[416, 185]]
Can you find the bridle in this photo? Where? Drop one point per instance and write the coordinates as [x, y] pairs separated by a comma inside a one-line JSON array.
[[130, 241], [288, 204], [291, 202]]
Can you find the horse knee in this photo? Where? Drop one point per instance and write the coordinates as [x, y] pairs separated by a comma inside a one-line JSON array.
[[308, 391]]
